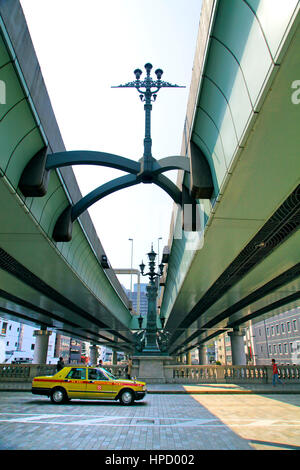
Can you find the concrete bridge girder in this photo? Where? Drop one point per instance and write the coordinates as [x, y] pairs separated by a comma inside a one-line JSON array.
[[245, 124]]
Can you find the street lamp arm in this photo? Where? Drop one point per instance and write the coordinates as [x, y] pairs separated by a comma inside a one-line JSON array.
[[88, 157], [152, 91], [152, 274], [126, 85]]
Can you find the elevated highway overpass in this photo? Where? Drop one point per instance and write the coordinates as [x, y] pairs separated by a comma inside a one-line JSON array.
[[62, 286], [243, 120]]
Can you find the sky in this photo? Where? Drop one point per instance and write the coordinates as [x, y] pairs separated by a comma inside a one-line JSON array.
[[83, 49]]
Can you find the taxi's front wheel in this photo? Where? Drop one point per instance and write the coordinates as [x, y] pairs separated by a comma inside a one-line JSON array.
[[58, 396], [126, 397]]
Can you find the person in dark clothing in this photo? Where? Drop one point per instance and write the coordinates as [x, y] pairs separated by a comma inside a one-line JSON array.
[[60, 365]]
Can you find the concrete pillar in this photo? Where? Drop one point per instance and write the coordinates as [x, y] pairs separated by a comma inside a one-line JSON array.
[[237, 347], [41, 345], [114, 357], [202, 351], [189, 358], [93, 355]]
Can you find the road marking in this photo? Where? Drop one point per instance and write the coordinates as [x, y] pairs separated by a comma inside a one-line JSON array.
[[130, 421]]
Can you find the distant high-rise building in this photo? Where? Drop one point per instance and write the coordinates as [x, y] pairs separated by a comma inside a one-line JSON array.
[[133, 296]]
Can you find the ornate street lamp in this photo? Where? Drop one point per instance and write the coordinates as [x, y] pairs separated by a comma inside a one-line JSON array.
[[148, 89], [151, 346]]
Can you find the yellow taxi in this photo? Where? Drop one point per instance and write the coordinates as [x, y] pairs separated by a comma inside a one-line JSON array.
[[88, 383]]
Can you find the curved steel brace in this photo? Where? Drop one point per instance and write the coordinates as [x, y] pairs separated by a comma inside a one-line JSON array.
[[102, 191], [63, 228], [167, 185], [171, 163], [89, 157]]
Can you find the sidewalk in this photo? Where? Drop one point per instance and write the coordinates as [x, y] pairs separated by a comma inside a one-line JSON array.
[[191, 389]]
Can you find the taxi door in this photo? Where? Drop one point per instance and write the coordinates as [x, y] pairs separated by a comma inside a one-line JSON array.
[[75, 382], [99, 386]]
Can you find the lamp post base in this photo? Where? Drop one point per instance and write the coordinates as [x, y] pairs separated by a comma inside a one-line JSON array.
[[152, 368]]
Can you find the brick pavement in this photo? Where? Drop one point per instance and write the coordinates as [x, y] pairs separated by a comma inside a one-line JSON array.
[[160, 422]]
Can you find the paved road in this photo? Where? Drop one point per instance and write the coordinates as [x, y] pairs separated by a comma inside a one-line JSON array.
[[159, 422]]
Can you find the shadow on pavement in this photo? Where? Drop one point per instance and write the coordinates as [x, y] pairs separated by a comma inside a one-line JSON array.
[[83, 403], [275, 444]]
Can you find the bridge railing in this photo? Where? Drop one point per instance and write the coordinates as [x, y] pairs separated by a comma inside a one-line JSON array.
[[229, 374], [26, 372], [183, 374]]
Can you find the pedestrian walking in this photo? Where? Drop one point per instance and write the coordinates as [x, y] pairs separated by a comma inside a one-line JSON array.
[[60, 365], [129, 368], [275, 377]]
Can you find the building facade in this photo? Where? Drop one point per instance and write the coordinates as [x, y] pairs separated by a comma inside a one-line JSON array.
[[278, 337], [17, 342]]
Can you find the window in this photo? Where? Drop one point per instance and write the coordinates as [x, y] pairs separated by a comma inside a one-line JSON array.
[[270, 350], [282, 328], [32, 347], [288, 326], [272, 330], [77, 373], [291, 347], [280, 348], [96, 374], [295, 325], [268, 331], [285, 348], [277, 329], [274, 349]]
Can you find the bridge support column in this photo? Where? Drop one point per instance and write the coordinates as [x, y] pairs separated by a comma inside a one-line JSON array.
[[93, 354], [114, 357], [237, 347], [41, 345], [202, 352], [188, 358]]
